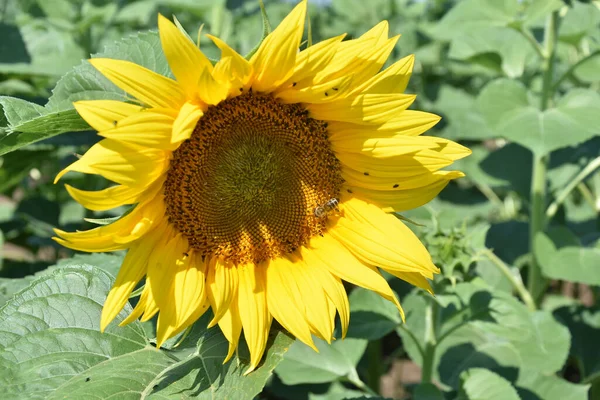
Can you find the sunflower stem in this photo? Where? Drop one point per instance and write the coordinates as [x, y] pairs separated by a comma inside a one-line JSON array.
[[430, 341], [536, 282], [374, 350], [516, 282], [581, 176]]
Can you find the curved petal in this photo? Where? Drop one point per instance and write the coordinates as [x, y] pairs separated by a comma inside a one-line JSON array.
[[145, 128], [129, 165], [252, 305], [104, 114], [285, 301], [279, 49], [105, 199], [186, 121], [145, 85], [185, 59], [222, 286], [231, 326]]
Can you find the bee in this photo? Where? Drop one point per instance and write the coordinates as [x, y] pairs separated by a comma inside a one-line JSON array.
[[321, 211]]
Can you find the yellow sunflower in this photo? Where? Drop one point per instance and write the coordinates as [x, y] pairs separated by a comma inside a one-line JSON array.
[[260, 185]]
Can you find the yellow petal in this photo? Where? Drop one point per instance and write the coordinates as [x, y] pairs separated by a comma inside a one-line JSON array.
[[147, 86], [252, 305], [285, 300], [210, 90], [236, 69], [118, 234], [397, 184], [186, 121], [386, 236], [145, 128], [105, 199], [395, 167], [405, 199], [187, 297], [231, 326], [340, 262], [383, 147], [314, 299], [275, 59], [128, 165], [333, 287], [312, 60], [185, 59], [104, 114], [318, 93], [132, 271], [169, 255], [393, 80], [145, 308], [362, 109], [222, 285], [407, 123]]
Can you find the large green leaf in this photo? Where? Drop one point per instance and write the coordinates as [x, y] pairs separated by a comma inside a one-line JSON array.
[[51, 335], [533, 385], [479, 383], [470, 15], [584, 325], [302, 364], [506, 106], [569, 263], [29, 123], [51, 347], [500, 48], [371, 316], [488, 329]]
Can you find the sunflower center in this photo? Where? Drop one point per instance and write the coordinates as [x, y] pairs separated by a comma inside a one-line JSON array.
[[248, 181]]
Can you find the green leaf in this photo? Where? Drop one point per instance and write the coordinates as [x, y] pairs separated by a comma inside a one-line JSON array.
[[580, 20], [51, 333], [37, 48], [427, 391], [533, 385], [584, 325], [458, 109], [203, 375], [108, 262], [506, 107], [511, 49], [538, 10], [471, 15], [479, 384], [301, 364], [371, 316], [29, 123], [570, 263]]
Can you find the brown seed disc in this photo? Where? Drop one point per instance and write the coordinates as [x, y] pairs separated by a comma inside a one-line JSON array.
[[247, 182]]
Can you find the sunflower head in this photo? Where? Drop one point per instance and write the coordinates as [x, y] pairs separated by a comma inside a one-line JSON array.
[[259, 185]]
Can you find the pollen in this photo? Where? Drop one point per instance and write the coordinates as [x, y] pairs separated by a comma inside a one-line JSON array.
[[246, 184]]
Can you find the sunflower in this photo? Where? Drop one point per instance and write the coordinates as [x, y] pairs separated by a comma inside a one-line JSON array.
[[257, 186]]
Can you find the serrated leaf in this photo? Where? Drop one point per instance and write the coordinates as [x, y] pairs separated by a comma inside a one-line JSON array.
[[51, 332], [479, 383], [302, 364], [29, 123], [505, 105], [204, 376]]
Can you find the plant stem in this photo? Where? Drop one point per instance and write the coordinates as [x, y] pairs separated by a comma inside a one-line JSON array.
[[430, 341], [573, 68], [374, 350], [535, 282], [517, 283], [527, 35], [581, 176]]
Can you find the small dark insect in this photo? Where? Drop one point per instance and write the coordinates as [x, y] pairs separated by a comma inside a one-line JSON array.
[[88, 379], [366, 174], [396, 185], [322, 211]]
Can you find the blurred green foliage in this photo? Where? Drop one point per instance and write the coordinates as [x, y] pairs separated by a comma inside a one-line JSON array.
[[515, 314]]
